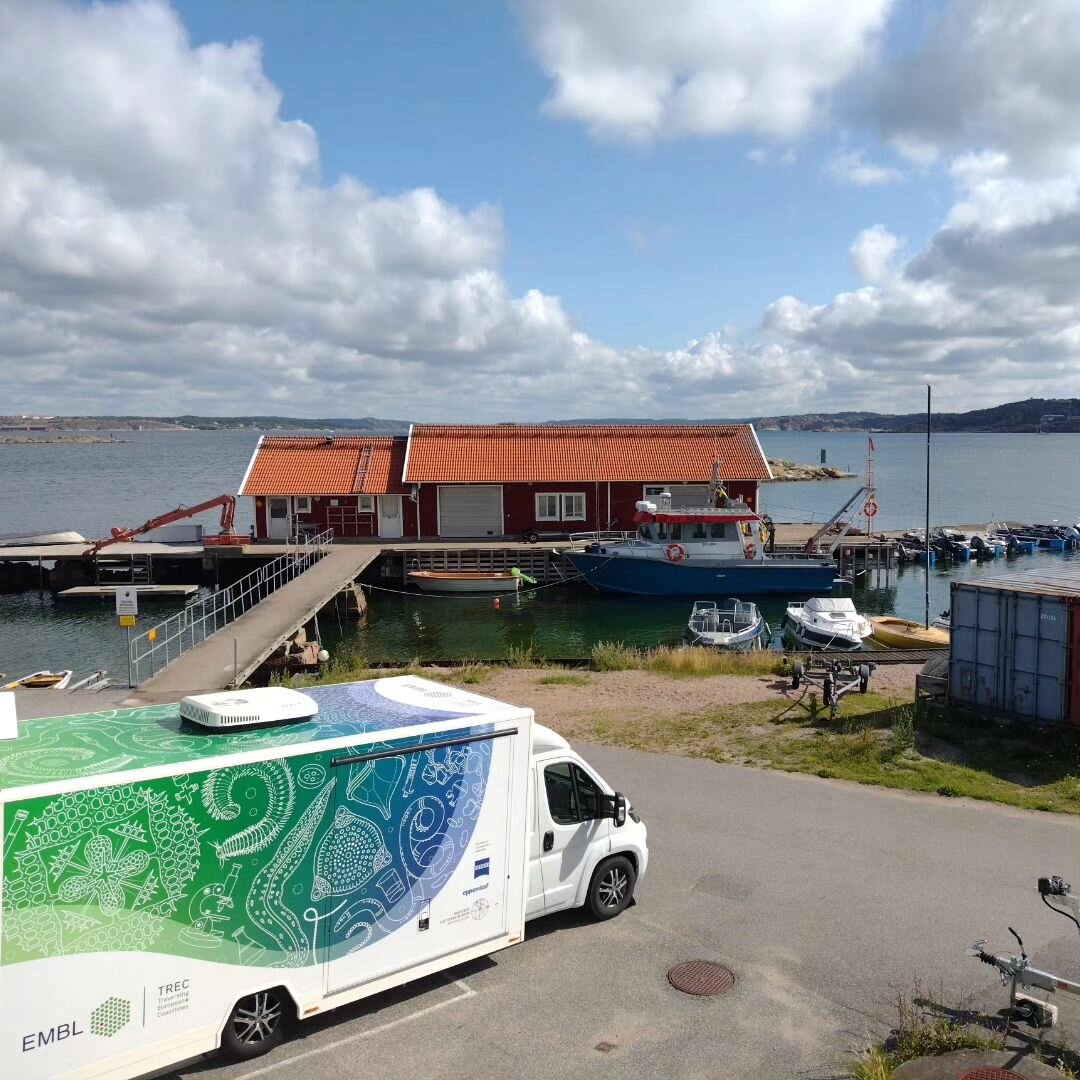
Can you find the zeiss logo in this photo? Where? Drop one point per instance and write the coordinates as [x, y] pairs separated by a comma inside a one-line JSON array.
[[482, 868]]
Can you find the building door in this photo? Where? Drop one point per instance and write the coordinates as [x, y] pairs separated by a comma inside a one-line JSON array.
[[471, 510], [390, 515], [278, 519]]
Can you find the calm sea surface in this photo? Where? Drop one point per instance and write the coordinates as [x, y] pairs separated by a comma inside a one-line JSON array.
[[975, 479]]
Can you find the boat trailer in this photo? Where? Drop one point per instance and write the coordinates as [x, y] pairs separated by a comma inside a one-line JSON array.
[[1017, 973], [836, 678]]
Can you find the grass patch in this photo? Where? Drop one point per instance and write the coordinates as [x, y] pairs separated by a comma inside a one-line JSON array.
[[702, 663], [615, 656], [875, 741], [926, 1029], [471, 674], [568, 679], [523, 656], [682, 663]]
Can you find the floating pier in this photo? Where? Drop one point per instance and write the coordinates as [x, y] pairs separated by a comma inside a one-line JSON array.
[[99, 592]]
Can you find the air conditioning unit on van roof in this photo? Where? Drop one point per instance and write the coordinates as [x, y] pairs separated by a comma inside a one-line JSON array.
[[248, 708]]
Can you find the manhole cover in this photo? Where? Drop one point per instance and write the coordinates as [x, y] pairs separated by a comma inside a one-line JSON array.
[[987, 1072], [703, 978]]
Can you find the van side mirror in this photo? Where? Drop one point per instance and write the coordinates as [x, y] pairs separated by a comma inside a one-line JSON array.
[[614, 807]]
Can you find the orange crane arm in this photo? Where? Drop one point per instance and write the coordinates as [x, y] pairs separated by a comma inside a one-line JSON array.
[[121, 536]]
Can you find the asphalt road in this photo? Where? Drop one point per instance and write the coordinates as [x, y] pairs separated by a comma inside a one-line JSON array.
[[826, 899]]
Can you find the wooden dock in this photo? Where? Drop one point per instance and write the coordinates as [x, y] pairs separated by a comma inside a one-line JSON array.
[[151, 592], [231, 655]]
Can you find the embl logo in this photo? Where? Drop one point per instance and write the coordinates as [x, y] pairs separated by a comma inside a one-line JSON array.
[[36, 1040]]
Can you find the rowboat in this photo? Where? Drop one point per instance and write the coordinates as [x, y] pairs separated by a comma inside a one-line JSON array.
[[905, 634], [465, 581], [40, 680]]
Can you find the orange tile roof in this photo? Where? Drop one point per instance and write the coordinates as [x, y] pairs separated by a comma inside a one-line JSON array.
[[325, 465], [523, 453]]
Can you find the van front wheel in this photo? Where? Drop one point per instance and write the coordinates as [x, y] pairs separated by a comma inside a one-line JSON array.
[[612, 887], [256, 1025]]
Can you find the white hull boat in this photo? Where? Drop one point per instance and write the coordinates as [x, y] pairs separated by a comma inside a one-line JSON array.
[[465, 581], [827, 623], [731, 624], [42, 539]]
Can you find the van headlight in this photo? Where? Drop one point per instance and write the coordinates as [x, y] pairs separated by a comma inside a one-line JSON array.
[[634, 816]]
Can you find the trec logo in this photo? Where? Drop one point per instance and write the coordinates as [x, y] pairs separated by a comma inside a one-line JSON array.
[[110, 1016]]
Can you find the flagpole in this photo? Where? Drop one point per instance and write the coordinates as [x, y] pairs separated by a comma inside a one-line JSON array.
[[927, 592]]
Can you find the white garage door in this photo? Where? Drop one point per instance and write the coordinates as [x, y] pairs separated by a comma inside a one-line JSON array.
[[471, 510]]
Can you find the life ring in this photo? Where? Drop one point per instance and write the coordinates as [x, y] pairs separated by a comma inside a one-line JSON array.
[[870, 509], [749, 551], [676, 552]]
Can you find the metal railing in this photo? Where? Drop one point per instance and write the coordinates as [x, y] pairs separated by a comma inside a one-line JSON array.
[[601, 536], [159, 646]]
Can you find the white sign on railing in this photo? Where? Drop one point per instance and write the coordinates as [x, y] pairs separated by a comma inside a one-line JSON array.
[[127, 600]]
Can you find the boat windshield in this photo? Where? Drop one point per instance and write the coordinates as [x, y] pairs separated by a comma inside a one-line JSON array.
[[698, 531]]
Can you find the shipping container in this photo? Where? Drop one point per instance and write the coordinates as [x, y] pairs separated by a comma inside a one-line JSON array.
[[1012, 644]]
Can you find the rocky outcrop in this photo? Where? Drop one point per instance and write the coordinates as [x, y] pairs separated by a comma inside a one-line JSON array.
[[789, 470]]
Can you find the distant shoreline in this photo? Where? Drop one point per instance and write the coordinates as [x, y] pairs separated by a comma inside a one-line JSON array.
[[49, 440]]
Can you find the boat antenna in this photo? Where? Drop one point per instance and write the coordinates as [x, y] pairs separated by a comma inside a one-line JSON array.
[[926, 595]]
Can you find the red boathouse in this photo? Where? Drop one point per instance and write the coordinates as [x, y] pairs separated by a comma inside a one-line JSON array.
[[492, 481]]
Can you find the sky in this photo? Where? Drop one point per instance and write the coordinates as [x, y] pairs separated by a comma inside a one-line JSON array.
[[541, 209]]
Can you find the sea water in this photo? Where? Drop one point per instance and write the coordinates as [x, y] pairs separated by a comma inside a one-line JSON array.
[[975, 479]]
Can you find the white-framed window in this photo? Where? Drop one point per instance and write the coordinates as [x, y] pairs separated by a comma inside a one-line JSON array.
[[303, 504], [560, 506], [547, 507], [365, 504], [573, 507]]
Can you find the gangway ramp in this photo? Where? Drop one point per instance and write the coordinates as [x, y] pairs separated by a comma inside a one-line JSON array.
[[230, 656]]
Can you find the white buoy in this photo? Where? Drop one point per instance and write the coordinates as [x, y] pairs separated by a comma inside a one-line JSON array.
[[323, 656]]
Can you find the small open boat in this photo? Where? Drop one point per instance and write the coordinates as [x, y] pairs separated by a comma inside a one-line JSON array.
[[465, 581], [40, 680], [905, 634], [732, 624], [827, 623]]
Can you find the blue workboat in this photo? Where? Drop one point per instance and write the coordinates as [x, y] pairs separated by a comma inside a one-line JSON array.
[[698, 551]]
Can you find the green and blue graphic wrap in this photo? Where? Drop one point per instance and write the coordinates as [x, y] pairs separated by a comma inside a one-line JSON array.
[[276, 863]]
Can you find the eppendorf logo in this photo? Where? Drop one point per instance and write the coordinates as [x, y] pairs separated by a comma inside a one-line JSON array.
[[110, 1016]]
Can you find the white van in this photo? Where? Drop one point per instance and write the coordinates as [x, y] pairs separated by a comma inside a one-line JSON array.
[[178, 879]]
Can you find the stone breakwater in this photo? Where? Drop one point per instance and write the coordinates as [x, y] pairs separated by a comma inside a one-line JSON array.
[[789, 470]]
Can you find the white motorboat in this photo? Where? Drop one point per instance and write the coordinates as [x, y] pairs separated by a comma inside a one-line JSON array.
[[944, 620], [465, 581], [42, 539], [827, 623], [731, 624]]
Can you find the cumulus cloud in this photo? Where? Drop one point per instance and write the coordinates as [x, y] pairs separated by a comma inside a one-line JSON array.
[[167, 242], [872, 252], [851, 167], [988, 74], [638, 70]]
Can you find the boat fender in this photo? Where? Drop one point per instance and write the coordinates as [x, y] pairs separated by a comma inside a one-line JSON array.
[[749, 551], [676, 552]]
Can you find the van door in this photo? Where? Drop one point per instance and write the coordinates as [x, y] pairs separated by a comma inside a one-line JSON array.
[[568, 803], [415, 863]]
